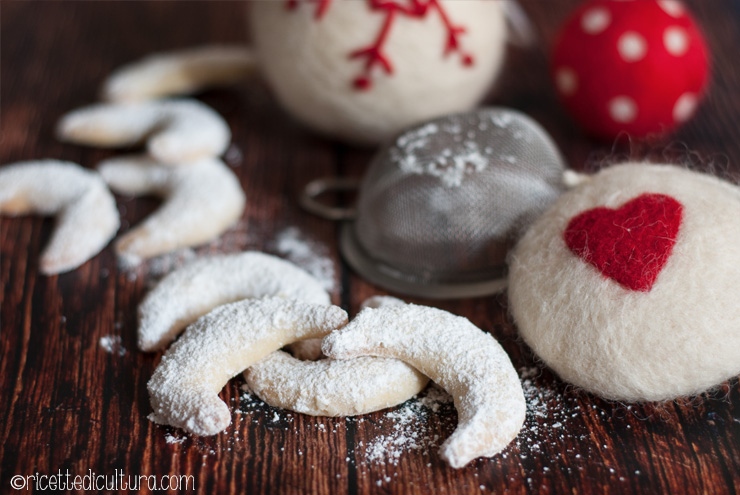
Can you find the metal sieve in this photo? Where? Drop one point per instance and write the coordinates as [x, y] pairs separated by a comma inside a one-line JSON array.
[[439, 208]]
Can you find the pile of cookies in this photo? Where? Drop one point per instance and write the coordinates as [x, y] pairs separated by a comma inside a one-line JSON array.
[[184, 138], [240, 310], [236, 312]]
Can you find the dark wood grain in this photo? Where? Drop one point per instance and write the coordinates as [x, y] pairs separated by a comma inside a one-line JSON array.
[[68, 404]]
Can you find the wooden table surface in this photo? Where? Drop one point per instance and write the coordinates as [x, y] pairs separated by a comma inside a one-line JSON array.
[[71, 404]]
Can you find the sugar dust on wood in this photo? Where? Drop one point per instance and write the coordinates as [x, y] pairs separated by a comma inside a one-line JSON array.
[[406, 428], [418, 426], [112, 345], [157, 267], [307, 253]]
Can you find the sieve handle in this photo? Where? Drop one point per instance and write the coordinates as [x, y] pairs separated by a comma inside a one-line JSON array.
[[309, 202]]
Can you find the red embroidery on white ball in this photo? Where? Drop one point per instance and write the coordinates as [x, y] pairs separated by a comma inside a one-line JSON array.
[[373, 55]]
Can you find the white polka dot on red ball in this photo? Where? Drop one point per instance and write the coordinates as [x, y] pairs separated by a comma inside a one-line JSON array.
[[639, 67]]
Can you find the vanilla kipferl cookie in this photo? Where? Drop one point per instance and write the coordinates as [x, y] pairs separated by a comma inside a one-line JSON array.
[[184, 388], [331, 387], [195, 289], [177, 131], [457, 355], [179, 73], [86, 214], [201, 201]]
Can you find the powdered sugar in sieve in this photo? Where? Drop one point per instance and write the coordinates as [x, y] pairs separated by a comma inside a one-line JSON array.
[[440, 207]]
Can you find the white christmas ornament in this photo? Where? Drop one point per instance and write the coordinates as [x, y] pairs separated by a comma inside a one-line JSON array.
[[364, 70], [358, 70], [628, 285]]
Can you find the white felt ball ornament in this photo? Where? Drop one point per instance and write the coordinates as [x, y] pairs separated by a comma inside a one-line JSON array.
[[363, 70], [639, 67], [628, 285]]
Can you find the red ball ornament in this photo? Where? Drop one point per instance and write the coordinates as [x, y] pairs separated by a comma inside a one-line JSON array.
[[634, 66]]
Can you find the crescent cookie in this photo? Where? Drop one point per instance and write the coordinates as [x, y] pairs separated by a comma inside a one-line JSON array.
[[201, 201], [179, 73], [310, 350], [457, 355], [177, 131], [331, 387], [190, 292], [184, 388], [87, 218]]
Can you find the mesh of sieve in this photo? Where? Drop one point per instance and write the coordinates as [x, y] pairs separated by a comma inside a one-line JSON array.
[[439, 209]]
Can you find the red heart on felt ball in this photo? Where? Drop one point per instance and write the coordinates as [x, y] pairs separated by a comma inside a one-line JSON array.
[[630, 244]]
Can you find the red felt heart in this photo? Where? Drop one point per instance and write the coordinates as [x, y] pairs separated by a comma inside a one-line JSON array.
[[631, 244]]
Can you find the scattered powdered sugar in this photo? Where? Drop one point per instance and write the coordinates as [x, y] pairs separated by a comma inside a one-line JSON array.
[[172, 439], [157, 267], [260, 411], [449, 166], [549, 416], [449, 150], [455, 147], [310, 255], [417, 138], [112, 345], [410, 428], [420, 424], [164, 264], [544, 403], [501, 119], [537, 398], [235, 240]]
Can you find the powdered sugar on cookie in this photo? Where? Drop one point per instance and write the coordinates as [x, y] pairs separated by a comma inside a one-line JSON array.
[[189, 292], [330, 387], [177, 131], [202, 200], [458, 356], [87, 217], [184, 388], [179, 73]]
